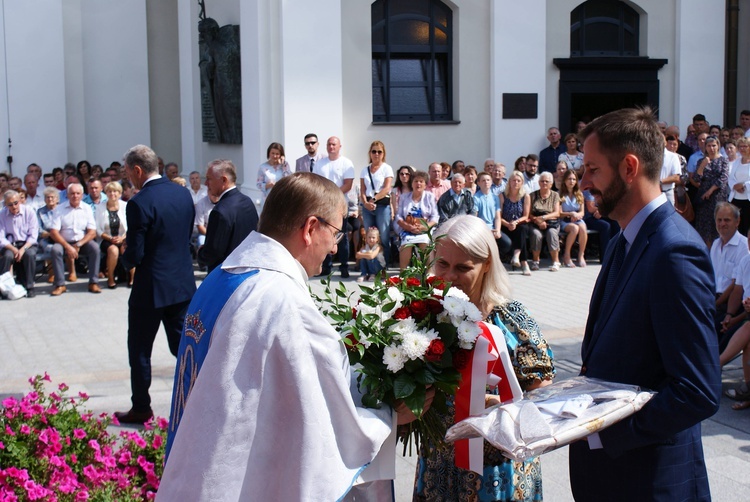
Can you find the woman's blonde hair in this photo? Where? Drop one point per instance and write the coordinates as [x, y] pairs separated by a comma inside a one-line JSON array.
[[113, 185], [473, 237], [521, 189]]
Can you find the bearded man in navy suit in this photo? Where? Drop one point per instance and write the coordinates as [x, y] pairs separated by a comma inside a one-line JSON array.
[[233, 217], [160, 222], [650, 324]]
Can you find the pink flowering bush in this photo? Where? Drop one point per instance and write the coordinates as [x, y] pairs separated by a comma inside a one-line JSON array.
[[52, 451]]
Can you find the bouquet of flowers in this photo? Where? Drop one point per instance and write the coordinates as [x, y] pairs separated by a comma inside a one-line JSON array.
[[406, 333], [51, 450]]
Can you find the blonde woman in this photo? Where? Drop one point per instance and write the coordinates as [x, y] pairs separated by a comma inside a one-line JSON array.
[[572, 211], [376, 180], [111, 228]]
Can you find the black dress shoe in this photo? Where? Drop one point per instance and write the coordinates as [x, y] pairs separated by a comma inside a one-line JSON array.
[[134, 417], [30, 293], [345, 274]]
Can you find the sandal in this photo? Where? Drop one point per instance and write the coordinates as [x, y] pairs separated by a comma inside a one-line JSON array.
[[582, 263], [534, 265], [737, 394], [742, 405], [570, 264]]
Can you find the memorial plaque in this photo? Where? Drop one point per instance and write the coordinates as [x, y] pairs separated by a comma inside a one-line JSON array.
[[520, 106]]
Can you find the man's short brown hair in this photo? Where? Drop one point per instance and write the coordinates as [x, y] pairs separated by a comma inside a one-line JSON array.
[[295, 198], [630, 130]]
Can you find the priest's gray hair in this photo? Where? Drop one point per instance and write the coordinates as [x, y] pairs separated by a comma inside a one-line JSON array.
[[295, 198], [473, 237]]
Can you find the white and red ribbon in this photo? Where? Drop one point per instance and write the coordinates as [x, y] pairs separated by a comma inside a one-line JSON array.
[[490, 364]]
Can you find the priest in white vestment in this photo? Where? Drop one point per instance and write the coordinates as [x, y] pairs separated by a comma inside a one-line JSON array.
[[269, 415]]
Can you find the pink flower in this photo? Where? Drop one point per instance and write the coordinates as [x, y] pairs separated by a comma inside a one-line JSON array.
[[140, 442], [83, 395], [10, 402], [73, 458], [32, 396], [82, 495], [46, 377], [55, 397], [94, 444], [79, 433], [25, 429], [2, 445], [162, 423], [62, 387], [158, 441], [9, 431], [125, 457]]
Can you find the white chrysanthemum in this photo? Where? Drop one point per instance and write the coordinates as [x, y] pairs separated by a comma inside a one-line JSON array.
[[395, 295], [471, 312], [467, 334], [437, 292], [393, 358], [403, 326], [443, 317], [457, 293], [414, 344], [431, 334], [453, 306]]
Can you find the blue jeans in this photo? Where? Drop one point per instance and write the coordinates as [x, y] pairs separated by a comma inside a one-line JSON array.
[[370, 267], [380, 218]]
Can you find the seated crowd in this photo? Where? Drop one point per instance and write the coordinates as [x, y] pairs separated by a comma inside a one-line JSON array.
[[77, 221]]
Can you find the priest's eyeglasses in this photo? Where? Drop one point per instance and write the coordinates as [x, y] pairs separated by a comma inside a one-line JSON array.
[[339, 233]]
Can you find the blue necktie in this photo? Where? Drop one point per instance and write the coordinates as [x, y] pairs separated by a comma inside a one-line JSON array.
[[312, 163], [614, 269]]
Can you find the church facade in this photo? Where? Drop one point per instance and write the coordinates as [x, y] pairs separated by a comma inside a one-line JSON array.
[[435, 80]]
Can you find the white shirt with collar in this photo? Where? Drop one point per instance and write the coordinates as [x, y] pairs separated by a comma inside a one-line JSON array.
[[35, 202], [726, 258], [73, 222], [531, 184], [202, 192], [669, 167]]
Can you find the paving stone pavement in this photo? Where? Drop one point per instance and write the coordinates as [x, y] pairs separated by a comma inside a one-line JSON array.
[[80, 338]]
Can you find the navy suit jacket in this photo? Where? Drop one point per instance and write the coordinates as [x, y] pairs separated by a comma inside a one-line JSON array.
[[160, 223], [231, 220], [655, 331]]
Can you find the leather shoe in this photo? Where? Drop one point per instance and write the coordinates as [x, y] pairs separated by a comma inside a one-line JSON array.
[[59, 290], [30, 293], [72, 278], [134, 417], [94, 288]]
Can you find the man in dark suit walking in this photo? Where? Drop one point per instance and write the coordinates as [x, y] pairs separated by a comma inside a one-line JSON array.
[[160, 222], [650, 324], [232, 218]]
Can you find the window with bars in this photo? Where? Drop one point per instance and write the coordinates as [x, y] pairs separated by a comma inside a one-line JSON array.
[[604, 28], [412, 61]]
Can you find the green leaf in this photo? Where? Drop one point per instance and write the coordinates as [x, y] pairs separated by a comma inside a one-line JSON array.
[[404, 386], [370, 401], [415, 401]]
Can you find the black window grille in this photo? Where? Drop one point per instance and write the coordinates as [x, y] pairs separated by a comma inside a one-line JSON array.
[[412, 44], [604, 28]]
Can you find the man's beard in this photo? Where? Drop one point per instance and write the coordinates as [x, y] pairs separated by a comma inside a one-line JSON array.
[[611, 195]]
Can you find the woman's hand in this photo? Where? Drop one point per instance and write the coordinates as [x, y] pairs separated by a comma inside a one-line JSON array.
[[512, 225], [739, 187], [405, 415]]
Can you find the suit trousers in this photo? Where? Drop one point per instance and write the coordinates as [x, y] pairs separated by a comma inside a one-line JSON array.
[[143, 324], [26, 270], [90, 250]]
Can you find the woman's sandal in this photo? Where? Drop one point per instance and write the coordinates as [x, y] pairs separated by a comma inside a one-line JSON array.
[[741, 405], [737, 394]]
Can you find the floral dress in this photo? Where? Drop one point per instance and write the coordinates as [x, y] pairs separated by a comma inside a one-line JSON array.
[[716, 173], [438, 478]]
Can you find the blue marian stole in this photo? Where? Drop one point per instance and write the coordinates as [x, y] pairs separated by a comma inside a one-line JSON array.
[[204, 310]]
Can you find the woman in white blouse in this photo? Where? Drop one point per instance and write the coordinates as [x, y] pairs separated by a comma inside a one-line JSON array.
[[572, 156], [272, 170], [739, 184], [111, 229], [415, 210], [376, 181]]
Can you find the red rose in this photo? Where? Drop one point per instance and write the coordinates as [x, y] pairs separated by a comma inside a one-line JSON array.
[[402, 313], [394, 281], [354, 312], [434, 306], [436, 282], [419, 309], [435, 351], [461, 358], [413, 282], [354, 341]]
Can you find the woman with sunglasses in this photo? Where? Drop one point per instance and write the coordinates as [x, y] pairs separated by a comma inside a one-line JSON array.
[[711, 178], [401, 187], [375, 193]]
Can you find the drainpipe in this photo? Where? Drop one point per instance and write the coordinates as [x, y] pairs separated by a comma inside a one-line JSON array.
[[730, 82]]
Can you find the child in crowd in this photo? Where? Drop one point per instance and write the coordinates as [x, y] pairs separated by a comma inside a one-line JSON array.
[[370, 257]]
